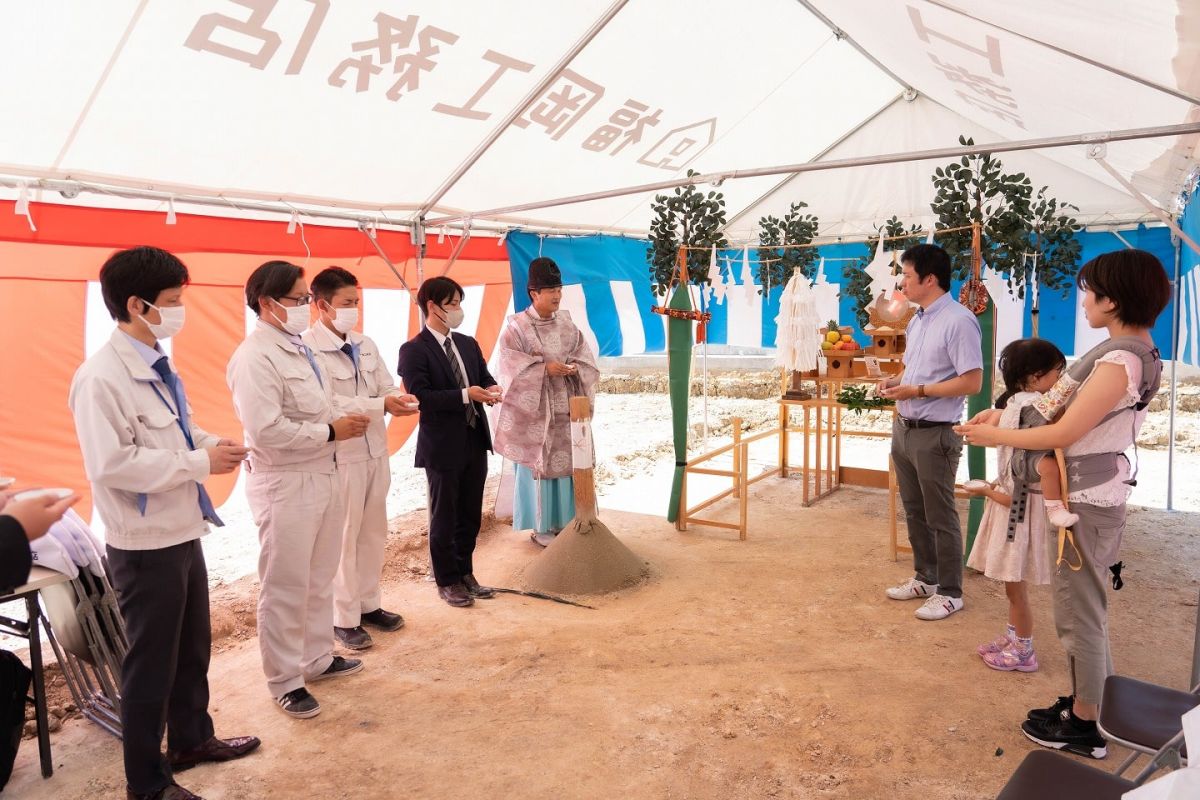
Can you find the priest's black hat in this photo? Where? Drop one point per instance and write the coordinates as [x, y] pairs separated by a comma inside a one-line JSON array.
[[543, 274]]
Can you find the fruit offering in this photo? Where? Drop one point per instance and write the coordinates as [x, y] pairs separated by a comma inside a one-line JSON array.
[[835, 339]]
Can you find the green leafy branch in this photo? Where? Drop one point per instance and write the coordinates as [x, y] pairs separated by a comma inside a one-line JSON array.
[[777, 263], [688, 217], [855, 396]]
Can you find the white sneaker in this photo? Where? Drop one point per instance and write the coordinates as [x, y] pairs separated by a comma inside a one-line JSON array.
[[912, 589], [939, 607]]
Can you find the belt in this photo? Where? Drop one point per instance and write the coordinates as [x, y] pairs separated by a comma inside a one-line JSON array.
[[921, 423]]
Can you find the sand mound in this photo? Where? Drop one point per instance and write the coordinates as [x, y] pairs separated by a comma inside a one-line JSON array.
[[585, 563]]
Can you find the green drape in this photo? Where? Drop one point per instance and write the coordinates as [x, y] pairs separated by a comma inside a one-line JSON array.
[[977, 456], [679, 372]]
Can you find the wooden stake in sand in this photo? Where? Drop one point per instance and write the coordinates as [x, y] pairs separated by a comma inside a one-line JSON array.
[[585, 558]]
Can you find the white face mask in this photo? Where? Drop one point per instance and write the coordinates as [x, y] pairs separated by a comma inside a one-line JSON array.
[[344, 319], [171, 317], [453, 318], [297, 319]]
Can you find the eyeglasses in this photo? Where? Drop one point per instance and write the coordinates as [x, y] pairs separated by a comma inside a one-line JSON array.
[[300, 300]]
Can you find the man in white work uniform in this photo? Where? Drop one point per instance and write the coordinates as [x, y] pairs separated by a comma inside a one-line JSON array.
[[147, 461], [286, 406], [361, 383]]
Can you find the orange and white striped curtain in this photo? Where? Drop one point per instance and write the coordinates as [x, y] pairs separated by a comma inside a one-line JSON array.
[[52, 315]]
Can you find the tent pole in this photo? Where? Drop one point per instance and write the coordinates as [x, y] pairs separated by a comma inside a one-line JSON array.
[[1163, 216], [458, 248], [1194, 100], [519, 109], [841, 163], [369, 232], [286, 206], [779, 186], [418, 237], [1175, 356], [843, 36]]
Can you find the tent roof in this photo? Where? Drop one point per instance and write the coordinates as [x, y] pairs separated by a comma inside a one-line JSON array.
[[343, 106]]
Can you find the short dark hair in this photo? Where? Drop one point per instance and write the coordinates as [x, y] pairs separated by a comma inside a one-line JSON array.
[[274, 279], [1134, 280], [929, 259], [438, 290], [1023, 359], [142, 272], [326, 283]]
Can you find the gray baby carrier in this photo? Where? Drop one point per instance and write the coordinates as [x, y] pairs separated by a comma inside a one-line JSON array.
[[1083, 472]]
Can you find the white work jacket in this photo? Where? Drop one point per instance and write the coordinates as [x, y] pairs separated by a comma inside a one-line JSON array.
[[360, 393], [285, 408], [133, 445]]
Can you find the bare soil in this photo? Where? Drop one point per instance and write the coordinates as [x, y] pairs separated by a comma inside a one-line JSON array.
[[770, 668]]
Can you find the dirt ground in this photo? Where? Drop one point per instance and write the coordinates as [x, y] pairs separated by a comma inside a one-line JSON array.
[[770, 668]]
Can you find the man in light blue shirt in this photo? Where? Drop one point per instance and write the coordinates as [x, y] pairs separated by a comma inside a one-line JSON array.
[[943, 363]]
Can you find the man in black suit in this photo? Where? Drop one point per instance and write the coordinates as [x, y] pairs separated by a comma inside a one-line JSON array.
[[449, 376]]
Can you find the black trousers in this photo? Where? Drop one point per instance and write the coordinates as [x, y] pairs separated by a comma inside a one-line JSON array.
[[455, 510], [163, 595]]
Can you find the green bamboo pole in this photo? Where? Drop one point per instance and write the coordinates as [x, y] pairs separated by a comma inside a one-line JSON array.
[[977, 456]]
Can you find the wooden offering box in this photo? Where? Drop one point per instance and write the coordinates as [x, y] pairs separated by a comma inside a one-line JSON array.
[[841, 362], [887, 341]]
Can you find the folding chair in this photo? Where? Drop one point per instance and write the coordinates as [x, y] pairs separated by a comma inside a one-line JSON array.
[[84, 626], [1142, 716], [1045, 775]]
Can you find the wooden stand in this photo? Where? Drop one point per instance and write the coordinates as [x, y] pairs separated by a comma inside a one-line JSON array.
[[821, 460]]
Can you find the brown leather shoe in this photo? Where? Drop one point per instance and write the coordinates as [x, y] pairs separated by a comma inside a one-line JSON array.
[[475, 590], [172, 792], [213, 750], [456, 595]]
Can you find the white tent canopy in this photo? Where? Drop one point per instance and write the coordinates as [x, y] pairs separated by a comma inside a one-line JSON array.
[[378, 107]]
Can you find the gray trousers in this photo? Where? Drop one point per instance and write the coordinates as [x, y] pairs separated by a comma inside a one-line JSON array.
[[1081, 598], [926, 462]]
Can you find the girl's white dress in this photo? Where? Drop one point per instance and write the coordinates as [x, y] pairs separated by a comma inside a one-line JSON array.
[[1026, 557]]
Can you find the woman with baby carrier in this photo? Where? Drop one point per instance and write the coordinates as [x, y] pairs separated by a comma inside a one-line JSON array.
[[1105, 394]]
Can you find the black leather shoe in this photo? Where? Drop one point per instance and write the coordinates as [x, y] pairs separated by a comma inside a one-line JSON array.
[[353, 638], [475, 590], [456, 595], [213, 750], [383, 620], [172, 792]]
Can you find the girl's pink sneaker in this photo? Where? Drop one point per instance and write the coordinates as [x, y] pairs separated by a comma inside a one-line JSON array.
[[994, 646], [1010, 659]]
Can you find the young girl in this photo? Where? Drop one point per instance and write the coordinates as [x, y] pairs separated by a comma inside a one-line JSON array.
[[1018, 555]]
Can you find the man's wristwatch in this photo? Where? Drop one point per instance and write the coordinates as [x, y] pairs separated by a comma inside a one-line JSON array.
[[920, 390]]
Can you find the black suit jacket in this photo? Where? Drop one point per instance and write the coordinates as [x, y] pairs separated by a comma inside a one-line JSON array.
[[443, 438], [15, 558]]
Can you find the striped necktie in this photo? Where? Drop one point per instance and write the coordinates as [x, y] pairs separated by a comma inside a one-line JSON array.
[[462, 383]]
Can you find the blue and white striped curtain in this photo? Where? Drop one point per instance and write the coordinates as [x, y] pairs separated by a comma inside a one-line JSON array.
[[607, 290]]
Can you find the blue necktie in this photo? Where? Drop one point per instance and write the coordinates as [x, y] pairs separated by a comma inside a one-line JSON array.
[[172, 381], [313, 363], [351, 350]]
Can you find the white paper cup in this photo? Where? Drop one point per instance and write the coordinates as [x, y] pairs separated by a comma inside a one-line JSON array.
[[29, 494]]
